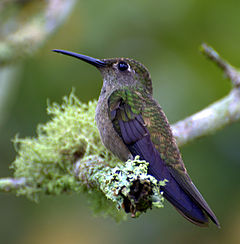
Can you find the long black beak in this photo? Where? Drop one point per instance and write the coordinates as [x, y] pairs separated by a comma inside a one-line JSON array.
[[94, 61]]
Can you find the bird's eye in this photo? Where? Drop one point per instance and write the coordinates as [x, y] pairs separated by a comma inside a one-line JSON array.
[[122, 66]]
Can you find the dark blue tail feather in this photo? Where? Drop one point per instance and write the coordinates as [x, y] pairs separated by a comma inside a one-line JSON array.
[[172, 191]]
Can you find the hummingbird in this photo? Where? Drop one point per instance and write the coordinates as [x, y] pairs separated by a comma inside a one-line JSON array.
[[131, 122]]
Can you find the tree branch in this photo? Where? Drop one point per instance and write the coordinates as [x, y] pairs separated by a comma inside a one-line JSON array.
[[21, 37], [216, 115], [26, 36], [11, 184]]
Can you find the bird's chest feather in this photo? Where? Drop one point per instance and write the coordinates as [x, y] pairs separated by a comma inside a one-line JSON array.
[[109, 136]]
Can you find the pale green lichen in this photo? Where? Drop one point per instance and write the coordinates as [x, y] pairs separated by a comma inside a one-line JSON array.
[[67, 156], [121, 178], [47, 161], [133, 188], [127, 186]]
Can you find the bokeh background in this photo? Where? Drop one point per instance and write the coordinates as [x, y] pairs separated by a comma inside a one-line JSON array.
[[165, 36]]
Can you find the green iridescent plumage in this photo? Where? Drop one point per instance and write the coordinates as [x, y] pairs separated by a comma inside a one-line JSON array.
[[140, 102]]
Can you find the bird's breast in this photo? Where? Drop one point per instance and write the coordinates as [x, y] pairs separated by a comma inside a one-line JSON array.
[[111, 140]]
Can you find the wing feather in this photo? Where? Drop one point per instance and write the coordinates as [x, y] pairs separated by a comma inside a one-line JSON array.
[[133, 128]]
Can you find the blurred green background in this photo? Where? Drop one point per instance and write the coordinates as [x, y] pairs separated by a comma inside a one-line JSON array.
[[165, 36]]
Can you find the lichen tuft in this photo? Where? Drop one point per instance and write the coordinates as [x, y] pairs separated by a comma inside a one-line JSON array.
[[47, 161]]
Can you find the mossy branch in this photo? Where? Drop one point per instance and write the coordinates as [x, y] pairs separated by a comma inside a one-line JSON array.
[[67, 155]]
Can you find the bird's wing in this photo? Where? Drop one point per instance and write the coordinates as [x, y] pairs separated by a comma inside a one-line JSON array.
[[141, 124]]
